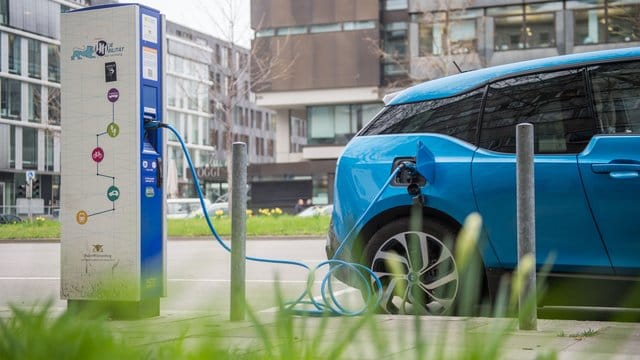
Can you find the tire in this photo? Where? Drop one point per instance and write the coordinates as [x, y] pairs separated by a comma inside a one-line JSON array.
[[417, 269]]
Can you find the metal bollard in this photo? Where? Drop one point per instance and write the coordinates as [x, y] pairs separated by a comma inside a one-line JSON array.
[[525, 188], [238, 230]]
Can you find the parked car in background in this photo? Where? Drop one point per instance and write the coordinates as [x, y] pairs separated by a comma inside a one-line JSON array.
[[215, 209], [181, 208], [317, 210], [459, 132], [9, 219]]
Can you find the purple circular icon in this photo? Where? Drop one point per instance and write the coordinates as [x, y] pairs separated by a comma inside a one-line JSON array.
[[113, 94]]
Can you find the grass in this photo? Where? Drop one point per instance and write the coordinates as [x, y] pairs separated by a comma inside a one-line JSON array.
[[35, 229], [37, 333], [281, 225], [581, 334], [256, 226]]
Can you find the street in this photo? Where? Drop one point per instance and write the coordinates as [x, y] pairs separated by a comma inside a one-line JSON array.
[[198, 273]]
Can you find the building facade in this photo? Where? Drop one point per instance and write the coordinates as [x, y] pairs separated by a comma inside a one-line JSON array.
[[346, 55], [209, 102], [30, 121], [202, 72]]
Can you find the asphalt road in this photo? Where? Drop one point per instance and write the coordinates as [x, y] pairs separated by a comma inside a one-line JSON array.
[[198, 273]]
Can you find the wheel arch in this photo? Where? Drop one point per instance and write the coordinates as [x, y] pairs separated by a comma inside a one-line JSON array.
[[389, 215]]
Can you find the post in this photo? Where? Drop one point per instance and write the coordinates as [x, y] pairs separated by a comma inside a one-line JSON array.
[[238, 229], [525, 187]]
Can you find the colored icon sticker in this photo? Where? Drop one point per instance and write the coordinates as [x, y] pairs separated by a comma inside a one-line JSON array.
[[149, 192], [82, 217], [97, 154], [113, 129], [113, 95], [113, 193]]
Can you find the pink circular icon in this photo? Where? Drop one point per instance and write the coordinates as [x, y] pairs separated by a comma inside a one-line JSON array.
[[113, 94], [97, 154]]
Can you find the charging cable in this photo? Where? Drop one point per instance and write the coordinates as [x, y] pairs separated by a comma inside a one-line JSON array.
[[330, 305]]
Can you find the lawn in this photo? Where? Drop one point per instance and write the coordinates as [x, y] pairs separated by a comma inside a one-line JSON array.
[[257, 225]]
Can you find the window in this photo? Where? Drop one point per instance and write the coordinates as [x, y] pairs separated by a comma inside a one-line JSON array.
[[337, 124], [29, 148], [34, 103], [171, 91], [395, 46], [265, 33], [53, 65], [4, 12], [14, 54], [358, 25], [270, 148], [224, 56], [460, 27], [192, 94], [48, 153], [455, 116], [54, 106], [322, 28], [616, 93], [35, 59], [12, 147], [524, 26], [10, 98], [171, 120], [606, 21], [396, 4], [555, 103], [294, 30]]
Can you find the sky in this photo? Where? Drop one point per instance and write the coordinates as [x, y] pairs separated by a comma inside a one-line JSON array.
[[208, 16]]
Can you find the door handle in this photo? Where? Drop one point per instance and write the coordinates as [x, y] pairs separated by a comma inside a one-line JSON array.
[[615, 167], [616, 170]]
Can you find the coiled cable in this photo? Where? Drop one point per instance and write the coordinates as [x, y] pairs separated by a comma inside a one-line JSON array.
[[330, 305]]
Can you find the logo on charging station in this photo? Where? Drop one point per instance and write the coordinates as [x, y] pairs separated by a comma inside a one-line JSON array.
[[113, 193], [97, 154], [102, 48], [113, 95]]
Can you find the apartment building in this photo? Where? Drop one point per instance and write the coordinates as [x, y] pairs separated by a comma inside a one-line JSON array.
[[30, 123], [201, 72], [205, 76]]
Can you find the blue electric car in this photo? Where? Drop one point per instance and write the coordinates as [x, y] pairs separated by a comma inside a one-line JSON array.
[[585, 109]]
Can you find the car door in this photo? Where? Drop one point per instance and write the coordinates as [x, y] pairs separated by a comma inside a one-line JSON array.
[[610, 166], [556, 103]]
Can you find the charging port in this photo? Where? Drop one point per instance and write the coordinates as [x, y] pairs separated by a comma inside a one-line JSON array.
[[407, 175]]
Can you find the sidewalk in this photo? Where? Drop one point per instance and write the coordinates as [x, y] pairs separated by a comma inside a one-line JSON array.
[[393, 337]]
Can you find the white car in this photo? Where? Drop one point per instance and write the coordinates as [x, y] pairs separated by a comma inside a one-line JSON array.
[[182, 208], [212, 210], [317, 210]]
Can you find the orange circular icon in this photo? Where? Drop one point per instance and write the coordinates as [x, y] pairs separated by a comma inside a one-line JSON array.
[[82, 217]]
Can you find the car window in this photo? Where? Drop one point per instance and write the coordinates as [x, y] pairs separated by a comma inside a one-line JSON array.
[[616, 94], [455, 116], [555, 103]]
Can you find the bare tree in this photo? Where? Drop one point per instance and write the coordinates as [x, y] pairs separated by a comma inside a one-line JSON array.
[[238, 79]]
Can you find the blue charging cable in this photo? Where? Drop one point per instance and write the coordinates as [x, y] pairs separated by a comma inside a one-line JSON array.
[[330, 305]]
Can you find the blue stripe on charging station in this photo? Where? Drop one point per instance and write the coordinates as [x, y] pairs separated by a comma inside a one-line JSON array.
[[151, 204]]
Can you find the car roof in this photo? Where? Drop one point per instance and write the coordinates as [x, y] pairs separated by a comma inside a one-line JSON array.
[[463, 82]]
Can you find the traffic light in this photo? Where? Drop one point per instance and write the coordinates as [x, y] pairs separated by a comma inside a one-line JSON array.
[[22, 191], [35, 188]]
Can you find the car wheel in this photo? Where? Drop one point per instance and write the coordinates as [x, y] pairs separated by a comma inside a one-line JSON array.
[[417, 269]]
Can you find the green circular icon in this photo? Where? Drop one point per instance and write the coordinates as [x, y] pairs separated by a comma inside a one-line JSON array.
[[113, 193], [113, 129]]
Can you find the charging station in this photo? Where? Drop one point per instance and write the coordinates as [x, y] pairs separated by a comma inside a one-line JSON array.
[[113, 237]]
